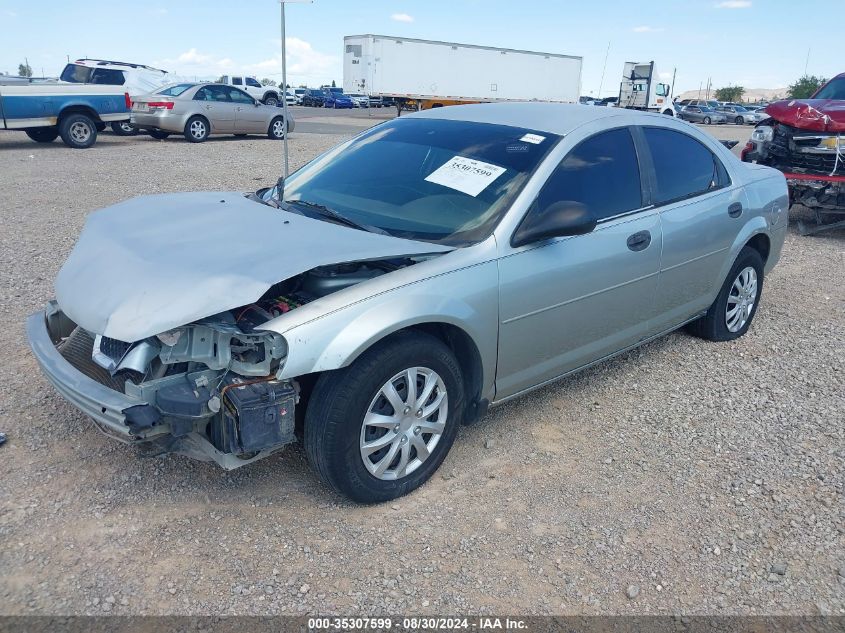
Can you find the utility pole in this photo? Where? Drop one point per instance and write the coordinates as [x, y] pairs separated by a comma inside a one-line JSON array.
[[807, 63], [603, 69]]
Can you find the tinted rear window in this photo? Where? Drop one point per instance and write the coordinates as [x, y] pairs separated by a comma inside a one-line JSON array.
[[174, 91], [683, 166]]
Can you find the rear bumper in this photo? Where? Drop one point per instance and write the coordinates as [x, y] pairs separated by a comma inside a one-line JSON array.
[[165, 121], [103, 405]]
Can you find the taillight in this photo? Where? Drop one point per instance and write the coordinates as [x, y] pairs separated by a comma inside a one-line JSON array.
[[128, 100], [160, 105]]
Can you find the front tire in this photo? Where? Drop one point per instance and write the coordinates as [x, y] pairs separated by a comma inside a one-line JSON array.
[[707, 120], [731, 314], [122, 128], [379, 428], [276, 129], [739, 120], [196, 129], [78, 131], [43, 134]]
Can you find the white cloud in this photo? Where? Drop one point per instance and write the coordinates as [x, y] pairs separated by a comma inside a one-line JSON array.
[[647, 29], [305, 64], [734, 4], [401, 17]]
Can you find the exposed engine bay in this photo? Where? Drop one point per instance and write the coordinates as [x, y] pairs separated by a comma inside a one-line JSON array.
[[209, 387]]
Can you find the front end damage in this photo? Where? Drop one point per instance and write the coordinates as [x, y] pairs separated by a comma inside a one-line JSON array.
[[209, 389], [158, 332], [808, 146]]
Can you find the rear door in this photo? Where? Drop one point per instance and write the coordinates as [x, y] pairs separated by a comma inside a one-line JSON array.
[[216, 105], [566, 302], [701, 214]]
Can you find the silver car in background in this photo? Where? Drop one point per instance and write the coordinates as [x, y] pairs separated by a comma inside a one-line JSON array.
[[740, 115], [701, 114], [200, 110], [403, 282]]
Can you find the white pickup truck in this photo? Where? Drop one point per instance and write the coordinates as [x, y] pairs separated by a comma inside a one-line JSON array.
[[268, 95]]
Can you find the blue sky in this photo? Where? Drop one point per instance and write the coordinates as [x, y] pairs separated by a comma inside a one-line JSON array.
[[754, 43]]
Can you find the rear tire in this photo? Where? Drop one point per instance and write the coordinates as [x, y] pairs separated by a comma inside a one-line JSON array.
[[271, 101], [196, 129], [714, 325], [78, 131], [122, 128], [335, 432], [159, 134], [43, 134]]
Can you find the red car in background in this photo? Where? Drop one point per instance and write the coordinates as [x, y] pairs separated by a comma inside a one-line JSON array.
[[805, 139]]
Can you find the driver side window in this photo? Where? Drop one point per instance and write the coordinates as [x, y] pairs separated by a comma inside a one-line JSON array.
[[602, 173]]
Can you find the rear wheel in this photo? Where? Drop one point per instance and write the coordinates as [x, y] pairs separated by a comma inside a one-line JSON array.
[[122, 128], [271, 101], [159, 134], [196, 129], [731, 314], [380, 428], [78, 131], [43, 134], [276, 129]]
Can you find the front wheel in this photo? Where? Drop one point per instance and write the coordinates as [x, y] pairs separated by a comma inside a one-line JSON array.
[[706, 120], [196, 129], [78, 131], [739, 120], [122, 128], [43, 134], [276, 130], [380, 428], [731, 314]]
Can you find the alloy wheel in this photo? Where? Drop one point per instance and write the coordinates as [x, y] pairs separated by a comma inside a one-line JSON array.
[[80, 132], [278, 129], [404, 423], [741, 299], [197, 129]]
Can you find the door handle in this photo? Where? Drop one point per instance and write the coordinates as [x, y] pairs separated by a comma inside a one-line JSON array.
[[639, 241], [735, 210]]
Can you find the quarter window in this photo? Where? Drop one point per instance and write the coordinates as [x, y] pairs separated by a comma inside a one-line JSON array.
[[601, 173], [237, 81], [683, 166]]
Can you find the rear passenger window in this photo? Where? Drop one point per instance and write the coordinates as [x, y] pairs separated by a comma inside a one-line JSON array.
[[601, 173], [683, 166], [237, 81]]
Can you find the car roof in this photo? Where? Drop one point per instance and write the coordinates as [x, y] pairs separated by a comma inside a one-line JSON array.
[[554, 118]]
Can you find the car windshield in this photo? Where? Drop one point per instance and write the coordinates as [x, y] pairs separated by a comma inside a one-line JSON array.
[[74, 73], [174, 91], [835, 89], [424, 179]]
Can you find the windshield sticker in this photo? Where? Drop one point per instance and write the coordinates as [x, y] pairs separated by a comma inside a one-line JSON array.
[[465, 175], [533, 138]]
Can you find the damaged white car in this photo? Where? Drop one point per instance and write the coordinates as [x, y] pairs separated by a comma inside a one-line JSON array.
[[394, 287]]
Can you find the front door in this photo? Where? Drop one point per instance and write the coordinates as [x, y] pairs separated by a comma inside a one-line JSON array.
[[249, 118], [566, 302]]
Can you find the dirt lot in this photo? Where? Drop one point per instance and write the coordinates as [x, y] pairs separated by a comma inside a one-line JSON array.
[[682, 477]]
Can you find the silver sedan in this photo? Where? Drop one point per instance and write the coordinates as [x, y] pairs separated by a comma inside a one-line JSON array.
[[701, 114], [403, 282], [199, 110], [740, 115]]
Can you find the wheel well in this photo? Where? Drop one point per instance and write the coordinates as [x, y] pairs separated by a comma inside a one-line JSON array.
[[761, 244], [270, 93], [79, 109], [466, 353]]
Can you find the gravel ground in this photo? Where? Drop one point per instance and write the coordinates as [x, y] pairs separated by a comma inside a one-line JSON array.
[[684, 476]]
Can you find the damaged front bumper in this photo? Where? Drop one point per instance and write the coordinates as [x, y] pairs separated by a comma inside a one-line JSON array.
[[135, 420]]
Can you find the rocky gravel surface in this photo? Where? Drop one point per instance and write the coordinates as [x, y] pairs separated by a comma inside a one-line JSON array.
[[683, 477]]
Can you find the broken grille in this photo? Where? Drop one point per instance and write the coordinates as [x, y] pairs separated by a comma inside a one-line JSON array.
[[76, 349]]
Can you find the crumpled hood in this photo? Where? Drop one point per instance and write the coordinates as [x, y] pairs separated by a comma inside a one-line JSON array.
[[823, 115], [153, 263]]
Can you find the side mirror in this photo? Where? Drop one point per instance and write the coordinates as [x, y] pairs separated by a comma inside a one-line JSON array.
[[559, 219]]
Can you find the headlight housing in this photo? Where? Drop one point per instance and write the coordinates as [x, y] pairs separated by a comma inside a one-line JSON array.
[[763, 134]]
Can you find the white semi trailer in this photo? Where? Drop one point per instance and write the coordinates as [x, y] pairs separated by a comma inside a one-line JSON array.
[[429, 74]]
